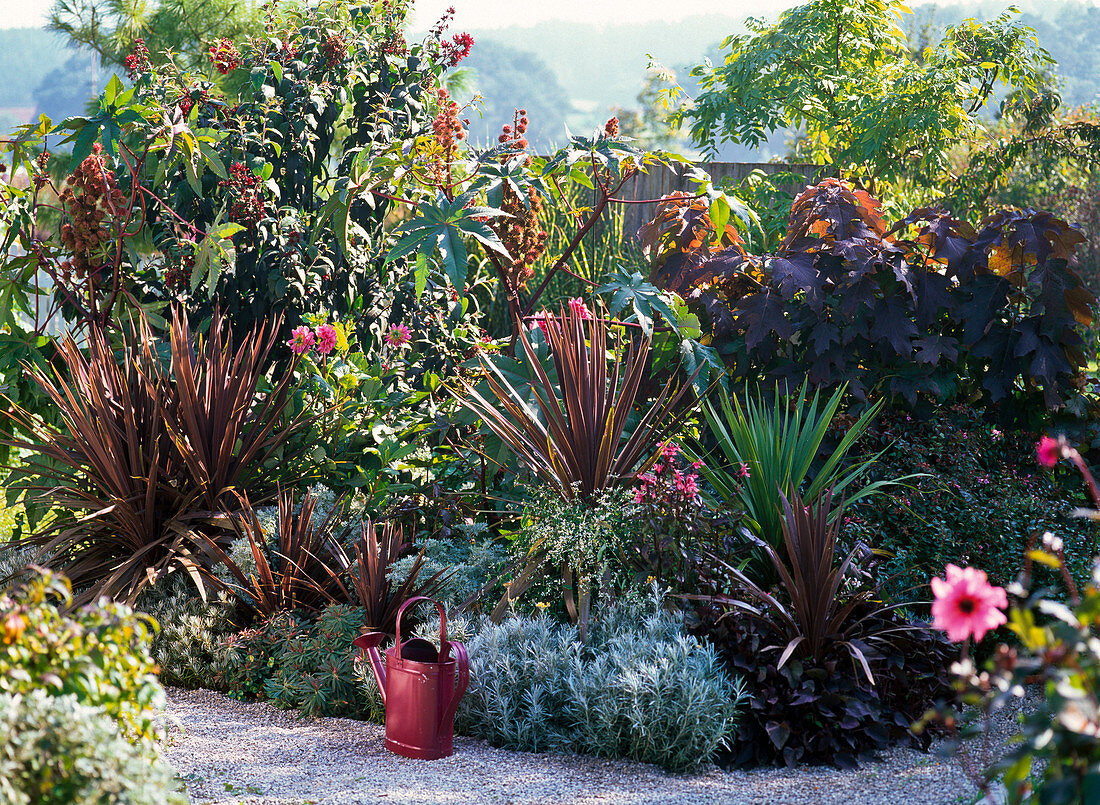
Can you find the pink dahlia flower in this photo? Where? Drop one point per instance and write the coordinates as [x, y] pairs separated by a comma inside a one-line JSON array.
[[398, 335], [326, 339], [1048, 450], [301, 339], [967, 604], [579, 308]]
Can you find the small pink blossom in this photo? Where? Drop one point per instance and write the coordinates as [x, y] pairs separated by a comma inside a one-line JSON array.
[[301, 339], [542, 319], [743, 471], [326, 339], [1048, 451], [398, 335], [670, 450], [967, 604], [579, 309]]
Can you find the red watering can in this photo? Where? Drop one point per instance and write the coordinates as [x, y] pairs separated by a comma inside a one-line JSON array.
[[419, 688]]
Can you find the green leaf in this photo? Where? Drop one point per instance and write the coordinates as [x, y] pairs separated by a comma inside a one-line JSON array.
[[455, 259]]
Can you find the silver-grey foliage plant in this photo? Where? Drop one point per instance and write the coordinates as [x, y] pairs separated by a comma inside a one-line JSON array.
[[57, 751], [639, 689]]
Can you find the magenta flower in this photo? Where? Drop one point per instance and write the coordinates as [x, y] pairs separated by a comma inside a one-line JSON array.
[[967, 604], [579, 309], [301, 339], [398, 335], [542, 319], [743, 471], [670, 450], [326, 339], [1048, 451]]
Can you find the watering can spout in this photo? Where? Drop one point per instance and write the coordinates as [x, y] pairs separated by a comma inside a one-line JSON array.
[[369, 643]]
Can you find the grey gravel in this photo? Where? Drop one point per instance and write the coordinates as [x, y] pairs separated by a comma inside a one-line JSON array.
[[229, 752]]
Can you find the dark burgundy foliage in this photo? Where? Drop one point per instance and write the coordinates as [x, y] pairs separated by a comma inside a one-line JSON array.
[[929, 309]]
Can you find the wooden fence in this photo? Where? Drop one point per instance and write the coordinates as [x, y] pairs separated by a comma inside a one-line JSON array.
[[661, 181]]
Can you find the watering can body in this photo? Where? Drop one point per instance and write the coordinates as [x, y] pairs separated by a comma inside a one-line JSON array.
[[421, 688]]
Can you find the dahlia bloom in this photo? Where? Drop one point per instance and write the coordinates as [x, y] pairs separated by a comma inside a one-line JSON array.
[[579, 308], [398, 335], [967, 604], [326, 339], [1048, 451], [301, 339]]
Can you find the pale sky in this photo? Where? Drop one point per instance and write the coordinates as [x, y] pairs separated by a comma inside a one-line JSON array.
[[481, 14]]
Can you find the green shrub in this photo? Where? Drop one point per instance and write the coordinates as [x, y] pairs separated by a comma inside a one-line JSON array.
[[99, 653], [298, 664], [982, 498], [639, 688], [58, 751], [188, 646]]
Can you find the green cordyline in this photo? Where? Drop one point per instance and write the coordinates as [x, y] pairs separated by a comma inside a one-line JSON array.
[[768, 447]]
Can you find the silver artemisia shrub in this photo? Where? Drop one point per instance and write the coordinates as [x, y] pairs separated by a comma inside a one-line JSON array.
[[56, 751], [639, 689]]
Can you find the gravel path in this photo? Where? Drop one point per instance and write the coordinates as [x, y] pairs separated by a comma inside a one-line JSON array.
[[230, 752]]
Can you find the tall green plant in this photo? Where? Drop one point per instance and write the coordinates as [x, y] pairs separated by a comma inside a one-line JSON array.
[[768, 446]]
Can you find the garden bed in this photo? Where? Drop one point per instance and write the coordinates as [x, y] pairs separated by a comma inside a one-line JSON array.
[[227, 751]]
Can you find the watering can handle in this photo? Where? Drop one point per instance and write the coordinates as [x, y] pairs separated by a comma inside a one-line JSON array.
[[462, 679], [442, 621]]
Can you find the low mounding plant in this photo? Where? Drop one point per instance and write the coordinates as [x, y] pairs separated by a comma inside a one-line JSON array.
[[187, 646], [314, 670], [144, 462], [768, 446], [832, 672], [60, 751], [639, 688], [99, 653]]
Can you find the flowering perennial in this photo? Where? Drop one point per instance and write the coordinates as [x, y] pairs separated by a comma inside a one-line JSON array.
[[225, 56], [301, 340], [967, 604]]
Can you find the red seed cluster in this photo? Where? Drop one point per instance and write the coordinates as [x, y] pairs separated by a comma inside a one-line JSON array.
[[396, 45], [457, 49], [512, 136], [334, 48], [138, 60], [246, 201], [225, 56], [611, 128], [448, 131], [521, 234], [90, 195]]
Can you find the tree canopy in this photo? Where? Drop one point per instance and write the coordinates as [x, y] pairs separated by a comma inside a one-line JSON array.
[[842, 73]]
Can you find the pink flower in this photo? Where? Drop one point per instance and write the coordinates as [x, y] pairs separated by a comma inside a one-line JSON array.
[[967, 604], [669, 450], [579, 309], [326, 339], [542, 319], [743, 471], [398, 335], [1048, 451], [301, 339]]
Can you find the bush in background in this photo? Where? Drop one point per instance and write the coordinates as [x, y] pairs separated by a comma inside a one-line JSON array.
[[638, 689], [981, 499]]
